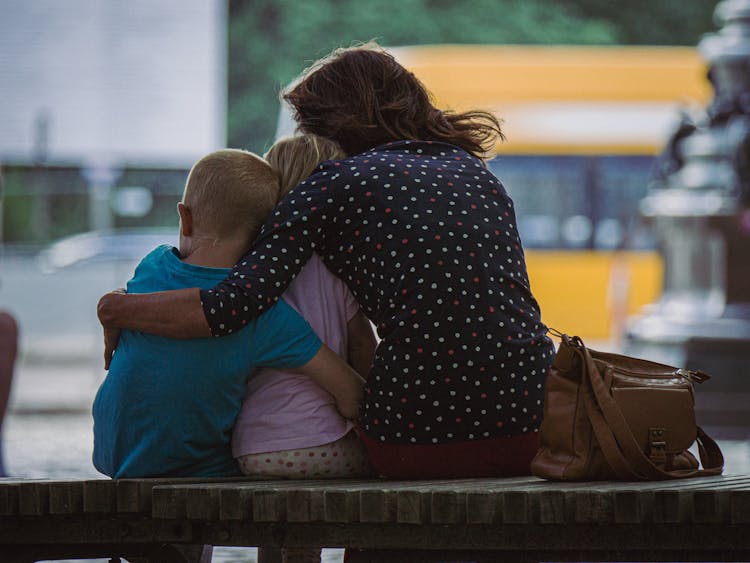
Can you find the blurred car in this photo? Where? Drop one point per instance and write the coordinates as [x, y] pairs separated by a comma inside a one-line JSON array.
[[53, 293], [114, 246]]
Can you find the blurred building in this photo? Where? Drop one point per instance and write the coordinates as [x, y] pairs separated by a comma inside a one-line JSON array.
[[104, 106], [127, 82], [92, 89]]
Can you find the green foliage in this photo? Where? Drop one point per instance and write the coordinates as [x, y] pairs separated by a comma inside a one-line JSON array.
[[651, 22], [41, 204], [44, 204], [166, 187], [17, 219], [272, 41]]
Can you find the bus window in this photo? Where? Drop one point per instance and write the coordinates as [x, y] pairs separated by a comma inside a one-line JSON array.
[[546, 191], [577, 202], [621, 183]]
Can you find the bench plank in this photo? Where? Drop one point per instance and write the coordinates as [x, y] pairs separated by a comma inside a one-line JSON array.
[[550, 503], [515, 518], [66, 498], [33, 498], [447, 502], [99, 497]]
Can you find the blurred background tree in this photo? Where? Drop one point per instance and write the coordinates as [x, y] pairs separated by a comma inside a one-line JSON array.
[[272, 41]]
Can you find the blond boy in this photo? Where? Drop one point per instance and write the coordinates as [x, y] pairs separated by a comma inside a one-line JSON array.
[[167, 407]]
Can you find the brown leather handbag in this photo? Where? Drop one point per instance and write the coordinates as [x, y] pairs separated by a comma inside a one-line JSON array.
[[614, 417]]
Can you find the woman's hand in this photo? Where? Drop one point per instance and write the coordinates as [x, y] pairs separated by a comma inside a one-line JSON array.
[[111, 339], [175, 314], [111, 333]]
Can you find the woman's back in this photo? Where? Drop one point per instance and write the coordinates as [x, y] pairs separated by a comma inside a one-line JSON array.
[[425, 237]]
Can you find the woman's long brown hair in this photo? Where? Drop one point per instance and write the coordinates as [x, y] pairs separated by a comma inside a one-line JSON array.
[[361, 97]]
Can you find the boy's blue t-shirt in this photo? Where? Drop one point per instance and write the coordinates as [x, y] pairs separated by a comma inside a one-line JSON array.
[[167, 407]]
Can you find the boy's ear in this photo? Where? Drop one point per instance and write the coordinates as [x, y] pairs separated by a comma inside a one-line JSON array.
[[186, 219]]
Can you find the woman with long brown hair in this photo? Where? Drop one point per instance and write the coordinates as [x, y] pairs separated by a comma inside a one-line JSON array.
[[425, 238]]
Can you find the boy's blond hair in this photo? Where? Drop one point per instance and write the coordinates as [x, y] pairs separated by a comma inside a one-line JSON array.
[[295, 158], [230, 192]]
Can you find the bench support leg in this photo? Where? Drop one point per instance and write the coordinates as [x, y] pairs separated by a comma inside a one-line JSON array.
[[269, 555]]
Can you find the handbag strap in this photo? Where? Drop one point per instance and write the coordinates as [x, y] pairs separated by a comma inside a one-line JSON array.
[[606, 440], [709, 452], [619, 446]]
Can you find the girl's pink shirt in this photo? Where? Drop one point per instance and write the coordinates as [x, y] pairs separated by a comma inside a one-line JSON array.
[[284, 410]]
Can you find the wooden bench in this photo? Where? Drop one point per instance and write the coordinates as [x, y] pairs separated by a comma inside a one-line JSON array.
[[517, 519]]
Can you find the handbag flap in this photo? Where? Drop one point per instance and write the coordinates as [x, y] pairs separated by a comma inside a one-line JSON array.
[[630, 363], [669, 409]]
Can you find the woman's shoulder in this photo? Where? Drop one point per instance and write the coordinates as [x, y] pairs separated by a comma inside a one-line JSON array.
[[335, 176], [430, 153], [420, 147], [391, 150]]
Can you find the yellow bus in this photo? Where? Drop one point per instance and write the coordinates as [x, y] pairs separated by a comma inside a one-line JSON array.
[[583, 125]]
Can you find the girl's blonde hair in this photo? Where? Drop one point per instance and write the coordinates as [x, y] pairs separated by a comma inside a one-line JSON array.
[[295, 158]]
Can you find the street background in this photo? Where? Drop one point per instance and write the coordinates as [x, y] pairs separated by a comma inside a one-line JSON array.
[[106, 105]]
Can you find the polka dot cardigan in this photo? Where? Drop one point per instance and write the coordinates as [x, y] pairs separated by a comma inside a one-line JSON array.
[[425, 238]]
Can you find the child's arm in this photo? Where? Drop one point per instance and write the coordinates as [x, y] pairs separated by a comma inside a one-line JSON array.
[[361, 344], [336, 376]]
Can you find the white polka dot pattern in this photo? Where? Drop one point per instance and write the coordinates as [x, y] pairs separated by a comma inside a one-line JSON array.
[[425, 237]]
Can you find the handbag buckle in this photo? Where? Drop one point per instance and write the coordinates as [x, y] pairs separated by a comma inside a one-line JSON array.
[[658, 446]]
